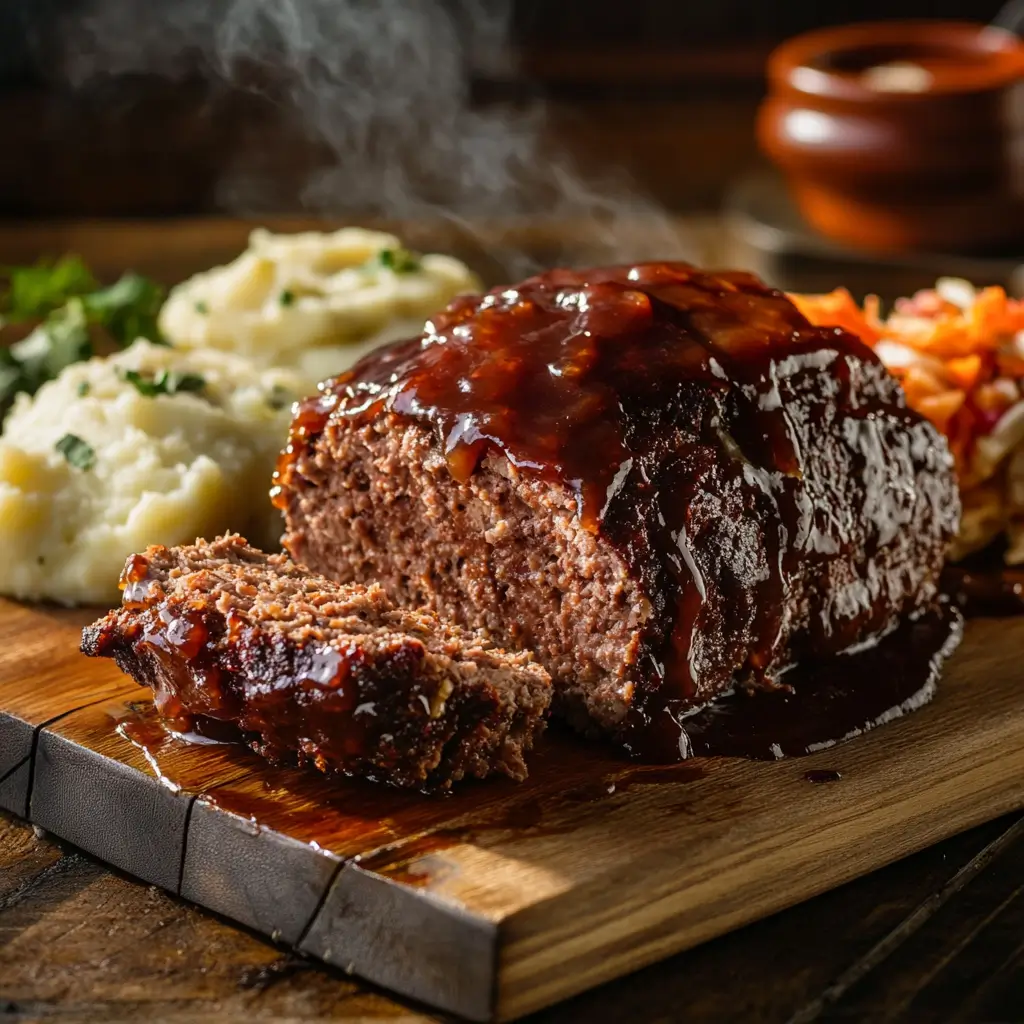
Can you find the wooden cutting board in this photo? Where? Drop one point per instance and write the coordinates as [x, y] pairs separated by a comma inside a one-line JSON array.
[[502, 898]]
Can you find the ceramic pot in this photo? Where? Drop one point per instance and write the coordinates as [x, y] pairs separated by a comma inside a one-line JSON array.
[[901, 135]]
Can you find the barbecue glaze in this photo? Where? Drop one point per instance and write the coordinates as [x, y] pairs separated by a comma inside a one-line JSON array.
[[762, 476]]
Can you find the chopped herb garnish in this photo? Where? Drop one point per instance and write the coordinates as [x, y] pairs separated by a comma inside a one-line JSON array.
[[166, 382], [279, 397], [67, 335], [401, 261], [84, 387], [40, 289], [127, 309], [202, 307], [11, 380], [144, 385], [184, 382], [66, 297], [62, 339], [287, 297], [77, 452]]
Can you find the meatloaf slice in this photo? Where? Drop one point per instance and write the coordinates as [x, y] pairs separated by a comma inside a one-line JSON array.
[[318, 671], [663, 481]]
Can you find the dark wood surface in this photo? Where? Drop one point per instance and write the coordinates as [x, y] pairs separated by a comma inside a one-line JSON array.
[[664, 93], [767, 235], [936, 937]]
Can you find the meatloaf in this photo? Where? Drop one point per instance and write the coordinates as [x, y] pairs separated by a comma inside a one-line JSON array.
[[664, 482], [229, 637]]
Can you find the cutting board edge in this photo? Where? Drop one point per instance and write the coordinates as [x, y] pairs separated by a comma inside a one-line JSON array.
[[516, 998], [915, 759], [417, 958], [498, 991]]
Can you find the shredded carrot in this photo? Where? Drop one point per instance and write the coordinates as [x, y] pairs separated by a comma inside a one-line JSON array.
[[964, 371], [992, 399], [960, 432], [837, 309], [977, 335], [1010, 365], [918, 383], [873, 313], [940, 409]]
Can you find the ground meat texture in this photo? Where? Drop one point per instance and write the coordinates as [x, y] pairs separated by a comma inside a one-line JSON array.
[[503, 551], [307, 669], [664, 482]]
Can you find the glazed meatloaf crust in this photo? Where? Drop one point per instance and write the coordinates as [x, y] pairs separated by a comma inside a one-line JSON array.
[[662, 481], [228, 637]]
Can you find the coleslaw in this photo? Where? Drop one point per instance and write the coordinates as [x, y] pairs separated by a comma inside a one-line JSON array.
[[958, 351]]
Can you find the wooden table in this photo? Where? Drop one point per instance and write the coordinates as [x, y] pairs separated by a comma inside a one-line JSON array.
[[937, 937]]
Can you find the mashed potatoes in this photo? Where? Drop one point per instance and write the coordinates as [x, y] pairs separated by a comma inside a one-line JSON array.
[[313, 301], [161, 445], [151, 446]]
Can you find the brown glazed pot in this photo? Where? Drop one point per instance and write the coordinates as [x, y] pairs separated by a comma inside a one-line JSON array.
[[901, 135]]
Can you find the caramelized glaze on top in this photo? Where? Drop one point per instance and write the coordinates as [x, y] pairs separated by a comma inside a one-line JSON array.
[[649, 390], [566, 372]]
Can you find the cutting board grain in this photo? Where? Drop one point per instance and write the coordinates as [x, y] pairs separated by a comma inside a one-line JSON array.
[[500, 899]]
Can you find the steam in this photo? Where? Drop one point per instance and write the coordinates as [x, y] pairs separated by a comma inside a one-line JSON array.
[[384, 90]]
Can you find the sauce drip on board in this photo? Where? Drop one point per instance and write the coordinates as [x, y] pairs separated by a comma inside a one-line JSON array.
[[569, 772], [985, 590], [831, 702]]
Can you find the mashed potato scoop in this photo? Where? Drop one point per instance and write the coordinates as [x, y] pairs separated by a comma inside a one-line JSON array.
[[314, 301], [152, 445]]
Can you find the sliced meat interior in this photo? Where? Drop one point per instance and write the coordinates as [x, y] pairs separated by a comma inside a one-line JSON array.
[[311, 670]]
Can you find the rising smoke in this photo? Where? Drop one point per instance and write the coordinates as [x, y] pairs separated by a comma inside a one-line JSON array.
[[384, 88]]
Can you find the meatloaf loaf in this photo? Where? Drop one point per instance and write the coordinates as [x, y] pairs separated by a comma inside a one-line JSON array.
[[230, 637], [662, 481]]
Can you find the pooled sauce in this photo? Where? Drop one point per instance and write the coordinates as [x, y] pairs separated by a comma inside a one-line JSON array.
[[985, 590], [145, 729], [762, 478], [828, 703]]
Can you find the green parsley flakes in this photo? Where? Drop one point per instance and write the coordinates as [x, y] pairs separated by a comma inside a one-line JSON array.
[[128, 309], [166, 382], [77, 452], [400, 261], [279, 397], [38, 290], [67, 301], [59, 341]]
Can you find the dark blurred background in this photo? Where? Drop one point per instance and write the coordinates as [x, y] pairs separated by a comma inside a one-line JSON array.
[[666, 88]]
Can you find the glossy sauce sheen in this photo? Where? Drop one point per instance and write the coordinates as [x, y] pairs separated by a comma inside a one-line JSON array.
[[643, 389], [568, 379], [190, 645], [829, 703], [985, 590]]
